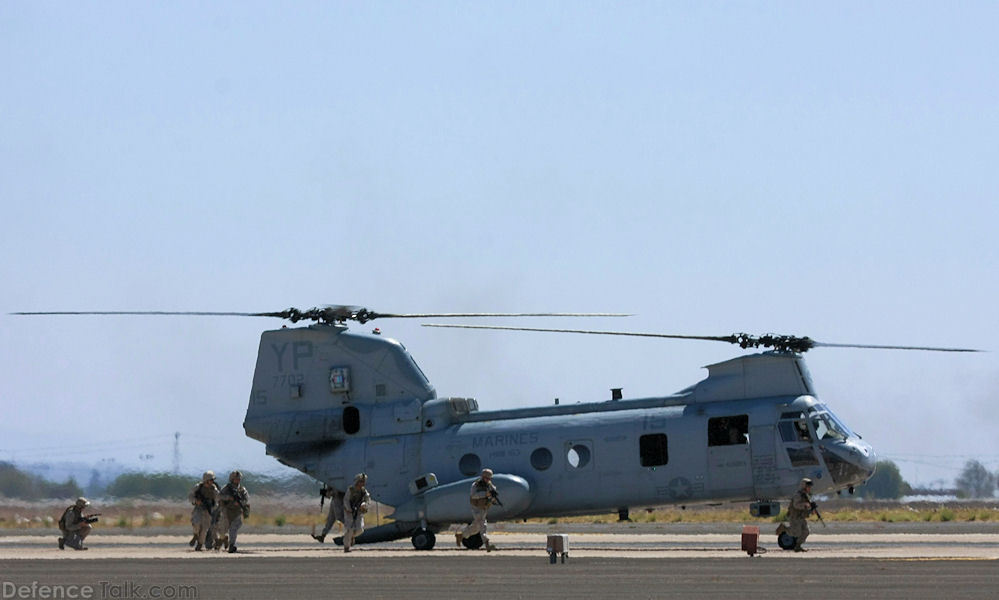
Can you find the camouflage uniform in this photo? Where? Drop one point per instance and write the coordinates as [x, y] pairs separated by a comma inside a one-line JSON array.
[[481, 498], [355, 504], [235, 502], [73, 526], [217, 531], [797, 512], [335, 514], [203, 497]]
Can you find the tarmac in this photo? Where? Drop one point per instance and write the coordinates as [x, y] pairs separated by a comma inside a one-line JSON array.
[[865, 561]]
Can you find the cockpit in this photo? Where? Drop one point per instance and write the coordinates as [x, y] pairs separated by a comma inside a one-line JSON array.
[[808, 426]]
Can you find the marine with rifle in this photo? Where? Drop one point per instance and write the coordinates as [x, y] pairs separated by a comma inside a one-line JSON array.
[[483, 495], [76, 526], [798, 510], [335, 497], [235, 503], [204, 497], [354, 504]]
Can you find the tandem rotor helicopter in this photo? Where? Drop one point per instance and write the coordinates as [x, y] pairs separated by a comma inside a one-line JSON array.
[[331, 402]]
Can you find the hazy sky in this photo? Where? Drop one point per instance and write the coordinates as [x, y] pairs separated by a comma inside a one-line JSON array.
[[712, 168]]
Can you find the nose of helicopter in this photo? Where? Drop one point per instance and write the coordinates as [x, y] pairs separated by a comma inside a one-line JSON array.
[[850, 462], [868, 459]]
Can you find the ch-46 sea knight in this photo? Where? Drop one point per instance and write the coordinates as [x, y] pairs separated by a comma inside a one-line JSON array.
[[331, 402]]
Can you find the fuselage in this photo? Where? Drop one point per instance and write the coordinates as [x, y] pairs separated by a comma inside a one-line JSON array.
[[333, 403]]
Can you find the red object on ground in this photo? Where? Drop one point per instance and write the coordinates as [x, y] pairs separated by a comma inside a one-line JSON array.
[[750, 539]]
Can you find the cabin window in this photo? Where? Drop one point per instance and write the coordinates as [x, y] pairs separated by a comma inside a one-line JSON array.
[[653, 449], [470, 465], [578, 456], [541, 459], [351, 420], [728, 431]]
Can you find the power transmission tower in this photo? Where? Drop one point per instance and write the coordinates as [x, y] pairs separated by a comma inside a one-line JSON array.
[[176, 453]]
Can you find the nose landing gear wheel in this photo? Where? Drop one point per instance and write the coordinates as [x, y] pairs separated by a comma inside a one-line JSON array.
[[424, 539]]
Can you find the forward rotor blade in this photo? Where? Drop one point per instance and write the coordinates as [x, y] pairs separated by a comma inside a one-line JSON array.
[[877, 347], [727, 338], [325, 314], [151, 312], [449, 315]]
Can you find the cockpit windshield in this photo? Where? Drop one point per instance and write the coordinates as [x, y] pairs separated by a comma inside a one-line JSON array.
[[842, 426], [827, 427]]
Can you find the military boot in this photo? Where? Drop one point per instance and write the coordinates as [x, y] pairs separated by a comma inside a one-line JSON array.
[[321, 538], [490, 547], [62, 543], [457, 539], [194, 540]]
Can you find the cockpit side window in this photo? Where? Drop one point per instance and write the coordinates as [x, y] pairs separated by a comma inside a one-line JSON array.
[[802, 429], [794, 431]]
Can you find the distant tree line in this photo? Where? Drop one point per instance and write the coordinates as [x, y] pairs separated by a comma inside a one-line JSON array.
[[15, 483], [887, 483], [166, 485], [975, 481]]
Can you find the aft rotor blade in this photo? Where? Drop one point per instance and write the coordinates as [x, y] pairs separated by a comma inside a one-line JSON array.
[[780, 343], [877, 347]]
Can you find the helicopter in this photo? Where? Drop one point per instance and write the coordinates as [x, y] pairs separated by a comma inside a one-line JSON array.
[[331, 402]]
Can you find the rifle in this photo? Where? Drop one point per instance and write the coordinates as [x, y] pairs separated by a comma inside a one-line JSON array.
[[323, 491], [206, 502], [239, 502], [354, 508], [815, 509], [494, 495], [90, 518]]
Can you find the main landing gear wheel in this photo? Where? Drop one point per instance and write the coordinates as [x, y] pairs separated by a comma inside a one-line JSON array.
[[472, 542], [786, 541], [424, 539]]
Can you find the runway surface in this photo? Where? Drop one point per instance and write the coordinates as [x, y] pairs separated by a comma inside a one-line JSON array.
[[642, 565]]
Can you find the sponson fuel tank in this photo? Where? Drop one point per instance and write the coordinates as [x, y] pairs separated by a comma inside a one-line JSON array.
[[449, 503]]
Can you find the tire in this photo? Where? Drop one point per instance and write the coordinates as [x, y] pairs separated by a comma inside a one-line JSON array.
[[786, 541], [424, 539], [472, 542]]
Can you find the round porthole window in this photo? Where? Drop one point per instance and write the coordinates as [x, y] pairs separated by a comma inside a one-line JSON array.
[[470, 464], [578, 456], [541, 459]]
